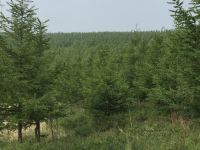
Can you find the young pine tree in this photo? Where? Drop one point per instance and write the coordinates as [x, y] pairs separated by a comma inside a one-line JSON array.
[[108, 90], [7, 84], [177, 78], [25, 38]]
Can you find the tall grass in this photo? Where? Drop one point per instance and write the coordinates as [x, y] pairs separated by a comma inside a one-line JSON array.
[[149, 134]]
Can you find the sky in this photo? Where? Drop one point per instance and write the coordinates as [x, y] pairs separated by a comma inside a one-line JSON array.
[[104, 15]]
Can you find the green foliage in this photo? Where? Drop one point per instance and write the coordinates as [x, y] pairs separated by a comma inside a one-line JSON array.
[[108, 90], [19, 36], [80, 124], [108, 97], [24, 44], [110, 78], [176, 74]]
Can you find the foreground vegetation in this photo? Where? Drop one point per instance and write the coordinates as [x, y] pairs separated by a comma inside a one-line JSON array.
[[152, 133], [137, 90]]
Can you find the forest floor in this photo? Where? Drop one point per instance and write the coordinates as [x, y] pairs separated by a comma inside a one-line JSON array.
[[11, 135], [140, 133]]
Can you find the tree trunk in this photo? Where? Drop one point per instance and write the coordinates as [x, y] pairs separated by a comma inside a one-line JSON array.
[[20, 132], [51, 127], [37, 131]]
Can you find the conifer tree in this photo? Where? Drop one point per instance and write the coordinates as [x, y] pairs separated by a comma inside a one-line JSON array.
[[7, 84], [136, 72], [35, 108], [177, 77], [108, 90], [24, 34]]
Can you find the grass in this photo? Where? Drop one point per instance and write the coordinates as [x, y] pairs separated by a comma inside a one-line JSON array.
[[149, 133], [141, 136]]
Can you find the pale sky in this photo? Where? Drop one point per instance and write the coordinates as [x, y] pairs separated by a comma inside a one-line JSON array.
[[104, 15]]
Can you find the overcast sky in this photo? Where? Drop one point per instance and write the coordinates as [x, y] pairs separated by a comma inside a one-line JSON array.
[[104, 15]]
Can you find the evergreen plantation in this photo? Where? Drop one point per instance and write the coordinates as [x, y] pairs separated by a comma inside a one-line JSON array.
[[112, 90]]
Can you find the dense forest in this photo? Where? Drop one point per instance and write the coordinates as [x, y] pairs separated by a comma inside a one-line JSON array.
[[110, 90]]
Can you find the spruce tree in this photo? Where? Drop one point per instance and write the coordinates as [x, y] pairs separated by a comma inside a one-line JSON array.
[[26, 43], [7, 84], [177, 78], [35, 108], [108, 90]]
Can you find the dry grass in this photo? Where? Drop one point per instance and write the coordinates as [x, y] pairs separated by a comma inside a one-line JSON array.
[[12, 135]]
